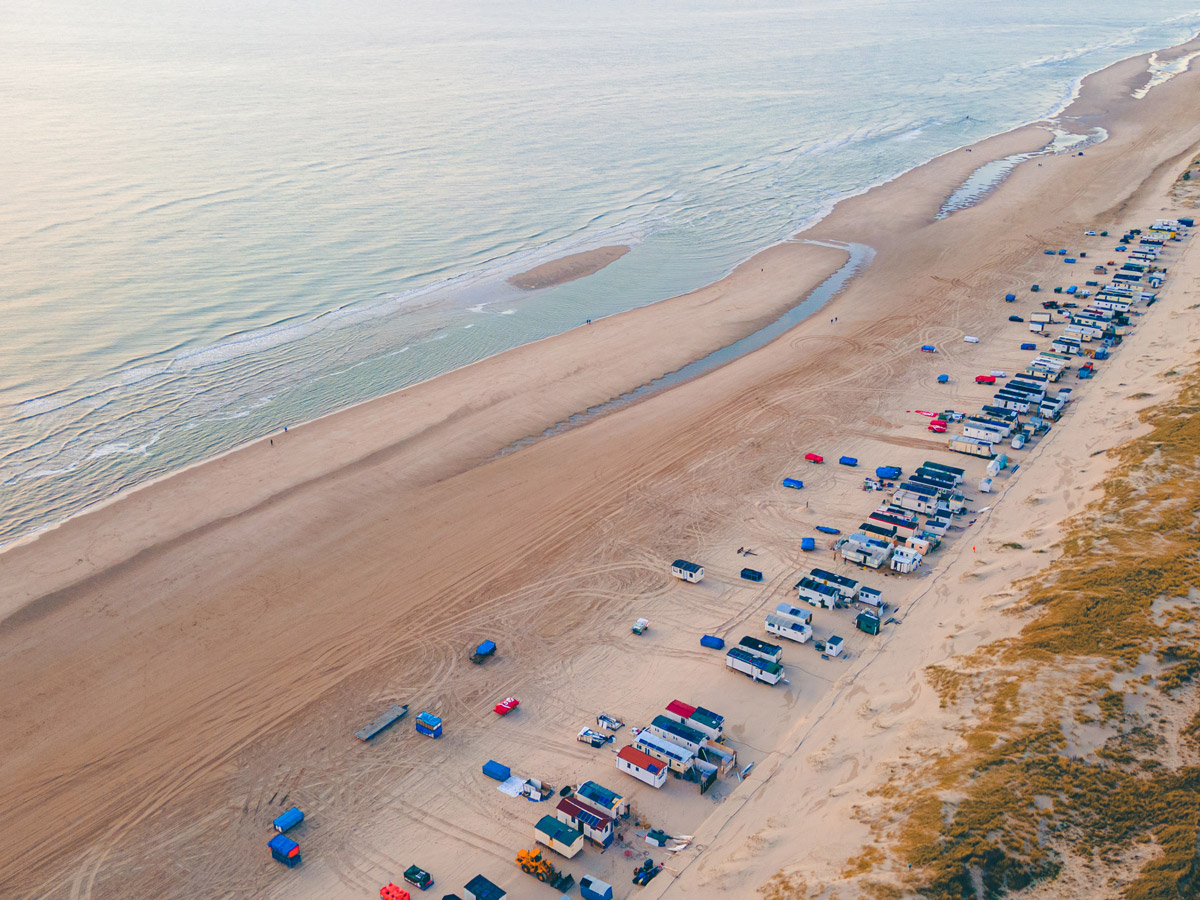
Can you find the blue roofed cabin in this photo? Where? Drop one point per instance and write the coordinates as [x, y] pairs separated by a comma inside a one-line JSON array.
[[603, 799], [687, 571]]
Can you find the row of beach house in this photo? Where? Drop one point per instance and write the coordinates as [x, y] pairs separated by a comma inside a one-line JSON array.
[[1090, 332]]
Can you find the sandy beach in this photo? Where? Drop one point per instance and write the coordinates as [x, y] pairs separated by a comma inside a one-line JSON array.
[[186, 662]]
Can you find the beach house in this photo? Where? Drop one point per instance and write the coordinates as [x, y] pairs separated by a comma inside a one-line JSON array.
[[642, 766]]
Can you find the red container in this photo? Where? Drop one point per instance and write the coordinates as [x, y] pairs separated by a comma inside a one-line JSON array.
[[985, 379], [814, 458], [937, 426]]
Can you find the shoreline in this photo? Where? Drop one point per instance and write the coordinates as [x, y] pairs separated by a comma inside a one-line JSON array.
[[297, 611], [587, 256]]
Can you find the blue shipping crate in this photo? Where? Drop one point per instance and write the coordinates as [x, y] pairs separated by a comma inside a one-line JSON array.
[[429, 725], [289, 819], [752, 574], [848, 461], [712, 642], [1029, 346], [943, 379], [808, 544], [493, 769], [793, 483], [284, 850], [888, 472], [1009, 298]]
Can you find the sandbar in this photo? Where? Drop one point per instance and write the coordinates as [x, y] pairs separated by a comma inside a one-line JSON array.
[[568, 268]]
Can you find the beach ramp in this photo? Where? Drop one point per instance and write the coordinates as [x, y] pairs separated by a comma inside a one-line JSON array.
[[389, 718]]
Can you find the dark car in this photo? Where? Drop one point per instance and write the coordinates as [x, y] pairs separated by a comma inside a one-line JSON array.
[[1015, 319]]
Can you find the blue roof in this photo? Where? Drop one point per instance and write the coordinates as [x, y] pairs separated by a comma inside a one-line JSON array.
[[589, 790], [685, 565], [485, 648]]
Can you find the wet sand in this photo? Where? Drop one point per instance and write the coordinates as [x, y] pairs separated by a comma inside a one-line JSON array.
[[185, 663], [568, 268]]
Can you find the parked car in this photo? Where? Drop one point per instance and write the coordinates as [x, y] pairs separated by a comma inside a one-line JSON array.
[[1015, 319]]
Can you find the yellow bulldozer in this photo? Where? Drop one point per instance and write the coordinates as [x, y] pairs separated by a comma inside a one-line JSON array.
[[541, 869]]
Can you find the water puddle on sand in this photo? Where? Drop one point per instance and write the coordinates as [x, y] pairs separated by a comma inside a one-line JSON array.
[[980, 183], [860, 257]]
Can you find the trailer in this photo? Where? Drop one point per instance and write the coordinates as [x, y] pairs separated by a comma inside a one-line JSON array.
[[953, 472], [847, 587], [687, 571], [787, 627], [864, 551], [389, 718], [918, 503], [703, 720], [642, 766], [594, 825], [980, 432], [762, 649], [679, 733], [677, 758], [559, 837], [753, 667], [971, 447]]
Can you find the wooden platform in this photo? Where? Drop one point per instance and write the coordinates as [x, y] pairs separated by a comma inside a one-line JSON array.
[[393, 715]]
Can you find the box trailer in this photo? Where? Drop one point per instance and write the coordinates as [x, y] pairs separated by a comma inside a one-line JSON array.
[[757, 669], [687, 571], [980, 432], [677, 758], [847, 587], [762, 649], [817, 593], [863, 551], [703, 720], [642, 766], [595, 825], [678, 733], [971, 447], [953, 471], [787, 627], [559, 837], [1004, 427], [917, 502]]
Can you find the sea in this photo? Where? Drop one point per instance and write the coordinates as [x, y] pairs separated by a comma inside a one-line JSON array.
[[220, 219]]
